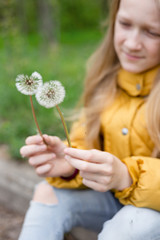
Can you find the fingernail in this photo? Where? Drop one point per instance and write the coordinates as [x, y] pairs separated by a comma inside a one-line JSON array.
[[52, 155], [66, 150], [67, 157]]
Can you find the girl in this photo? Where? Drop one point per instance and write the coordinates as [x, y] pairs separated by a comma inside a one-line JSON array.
[[110, 180]]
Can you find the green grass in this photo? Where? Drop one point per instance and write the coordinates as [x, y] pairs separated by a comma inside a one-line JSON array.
[[64, 62]]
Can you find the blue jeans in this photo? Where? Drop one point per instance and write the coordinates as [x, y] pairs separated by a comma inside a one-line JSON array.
[[93, 210]]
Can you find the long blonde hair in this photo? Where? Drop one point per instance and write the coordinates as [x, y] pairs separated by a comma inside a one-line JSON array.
[[153, 115], [100, 83], [101, 87]]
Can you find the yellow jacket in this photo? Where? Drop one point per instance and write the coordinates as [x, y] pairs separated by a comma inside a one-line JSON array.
[[123, 126]]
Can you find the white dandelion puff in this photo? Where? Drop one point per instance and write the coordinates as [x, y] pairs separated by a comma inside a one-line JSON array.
[[36, 75], [50, 94], [29, 85]]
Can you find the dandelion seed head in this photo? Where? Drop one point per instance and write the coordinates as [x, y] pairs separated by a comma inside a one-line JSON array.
[[36, 75], [50, 94], [28, 85]]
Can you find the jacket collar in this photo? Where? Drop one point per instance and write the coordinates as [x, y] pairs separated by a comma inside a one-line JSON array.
[[137, 84]]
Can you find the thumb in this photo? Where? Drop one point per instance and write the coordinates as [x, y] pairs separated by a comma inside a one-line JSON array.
[[52, 141]]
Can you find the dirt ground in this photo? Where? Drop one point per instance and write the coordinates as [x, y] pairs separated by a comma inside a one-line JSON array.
[[10, 224]]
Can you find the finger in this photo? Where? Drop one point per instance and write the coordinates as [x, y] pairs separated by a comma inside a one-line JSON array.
[[97, 168], [94, 185], [90, 176], [93, 155], [52, 140], [36, 139], [29, 150], [105, 180], [83, 165], [41, 159], [42, 170]]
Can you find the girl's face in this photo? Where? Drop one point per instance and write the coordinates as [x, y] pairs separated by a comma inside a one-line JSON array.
[[137, 35]]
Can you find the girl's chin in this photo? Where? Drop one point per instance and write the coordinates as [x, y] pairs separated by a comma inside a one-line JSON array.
[[133, 68]]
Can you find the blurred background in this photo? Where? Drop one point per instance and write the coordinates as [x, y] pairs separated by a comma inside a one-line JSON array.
[[54, 38]]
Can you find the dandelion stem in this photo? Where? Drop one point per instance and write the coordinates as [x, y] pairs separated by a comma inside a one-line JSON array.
[[64, 125], [35, 119]]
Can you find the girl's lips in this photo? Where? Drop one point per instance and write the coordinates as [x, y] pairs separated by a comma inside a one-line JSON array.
[[132, 57]]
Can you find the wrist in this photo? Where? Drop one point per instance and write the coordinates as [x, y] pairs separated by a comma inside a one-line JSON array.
[[126, 180]]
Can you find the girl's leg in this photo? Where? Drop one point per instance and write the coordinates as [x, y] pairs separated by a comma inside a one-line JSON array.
[[132, 223], [56, 211]]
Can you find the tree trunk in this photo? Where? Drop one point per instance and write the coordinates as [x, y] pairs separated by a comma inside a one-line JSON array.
[[104, 7], [48, 20]]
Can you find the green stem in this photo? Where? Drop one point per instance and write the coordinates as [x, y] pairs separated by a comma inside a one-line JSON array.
[[35, 119], [64, 125]]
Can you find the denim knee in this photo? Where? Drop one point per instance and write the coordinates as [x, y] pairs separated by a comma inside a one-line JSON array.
[[132, 223], [111, 231]]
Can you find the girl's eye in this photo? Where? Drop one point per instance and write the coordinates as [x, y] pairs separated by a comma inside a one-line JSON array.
[[152, 34], [124, 24]]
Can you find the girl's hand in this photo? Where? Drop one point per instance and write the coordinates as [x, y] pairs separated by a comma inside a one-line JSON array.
[[101, 171], [48, 160]]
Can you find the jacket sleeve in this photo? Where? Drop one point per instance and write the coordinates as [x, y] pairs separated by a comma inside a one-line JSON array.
[[144, 169], [145, 190], [77, 136]]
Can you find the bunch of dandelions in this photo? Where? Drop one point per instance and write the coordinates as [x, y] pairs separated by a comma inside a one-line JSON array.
[[51, 94], [29, 85]]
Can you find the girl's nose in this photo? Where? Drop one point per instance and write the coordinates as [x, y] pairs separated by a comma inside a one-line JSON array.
[[133, 41]]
